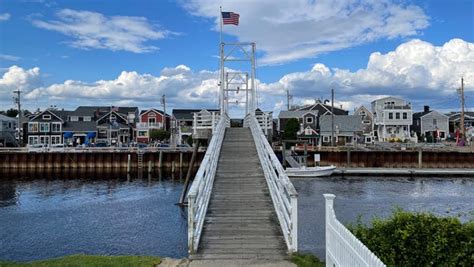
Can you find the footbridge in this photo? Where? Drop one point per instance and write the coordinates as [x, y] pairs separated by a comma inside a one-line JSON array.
[[241, 204]]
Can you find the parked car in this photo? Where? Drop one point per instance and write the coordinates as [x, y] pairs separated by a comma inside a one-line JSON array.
[[101, 144], [37, 148]]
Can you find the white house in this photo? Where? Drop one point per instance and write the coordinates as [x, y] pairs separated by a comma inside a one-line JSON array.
[[392, 119]]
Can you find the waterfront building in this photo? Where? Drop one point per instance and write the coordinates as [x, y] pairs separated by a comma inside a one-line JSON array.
[[45, 128], [367, 123], [347, 129], [431, 123], [392, 119], [184, 122], [151, 119], [8, 131], [118, 125], [455, 120]]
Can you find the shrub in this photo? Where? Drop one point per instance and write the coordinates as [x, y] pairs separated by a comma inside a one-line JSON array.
[[418, 239]]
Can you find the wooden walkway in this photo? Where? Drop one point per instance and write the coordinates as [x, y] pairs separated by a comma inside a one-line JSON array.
[[241, 223]]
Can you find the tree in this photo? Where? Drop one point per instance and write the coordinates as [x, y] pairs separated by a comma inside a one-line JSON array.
[[159, 134], [291, 128]]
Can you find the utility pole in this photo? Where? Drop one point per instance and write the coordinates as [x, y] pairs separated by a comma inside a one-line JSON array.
[[332, 116], [463, 130], [288, 99], [18, 102], [163, 102]]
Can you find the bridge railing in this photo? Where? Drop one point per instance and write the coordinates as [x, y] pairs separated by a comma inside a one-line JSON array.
[[282, 191], [342, 247], [200, 191]]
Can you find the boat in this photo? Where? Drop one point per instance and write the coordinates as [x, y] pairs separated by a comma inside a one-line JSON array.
[[310, 171]]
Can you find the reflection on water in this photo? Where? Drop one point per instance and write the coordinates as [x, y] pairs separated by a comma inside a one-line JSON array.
[[376, 197], [116, 214], [45, 215]]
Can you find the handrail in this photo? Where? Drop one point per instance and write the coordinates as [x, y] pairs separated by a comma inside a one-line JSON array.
[[342, 247], [200, 191], [282, 191]]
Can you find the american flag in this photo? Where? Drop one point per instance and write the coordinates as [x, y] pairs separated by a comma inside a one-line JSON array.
[[230, 18]]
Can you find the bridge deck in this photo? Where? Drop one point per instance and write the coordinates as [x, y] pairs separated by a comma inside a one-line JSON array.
[[241, 222]]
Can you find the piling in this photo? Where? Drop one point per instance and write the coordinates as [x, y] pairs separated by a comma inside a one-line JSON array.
[[129, 162], [160, 160], [149, 166], [420, 158]]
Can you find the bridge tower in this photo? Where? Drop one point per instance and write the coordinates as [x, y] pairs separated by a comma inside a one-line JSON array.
[[237, 86]]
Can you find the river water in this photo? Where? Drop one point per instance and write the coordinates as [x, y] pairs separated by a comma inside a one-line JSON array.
[[51, 216]]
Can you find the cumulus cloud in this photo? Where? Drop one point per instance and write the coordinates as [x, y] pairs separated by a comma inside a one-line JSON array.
[[292, 30], [92, 30], [4, 16], [416, 70]]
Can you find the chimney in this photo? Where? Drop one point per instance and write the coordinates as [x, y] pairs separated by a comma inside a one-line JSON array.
[[426, 108]]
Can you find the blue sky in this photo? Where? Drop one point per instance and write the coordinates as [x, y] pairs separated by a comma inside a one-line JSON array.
[[150, 48]]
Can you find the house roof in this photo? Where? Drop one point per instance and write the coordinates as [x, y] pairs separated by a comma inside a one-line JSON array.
[[418, 115], [91, 110], [188, 114], [6, 118], [288, 114], [454, 116], [323, 108], [154, 109], [346, 124], [388, 97], [80, 126]]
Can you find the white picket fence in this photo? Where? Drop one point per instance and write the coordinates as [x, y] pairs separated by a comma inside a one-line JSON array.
[[342, 247]]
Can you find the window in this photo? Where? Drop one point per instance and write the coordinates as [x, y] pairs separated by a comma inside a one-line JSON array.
[[435, 122], [405, 115], [366, 122], [397, 115], [44, 139], [143, 133], [86, 118], [56, 127], [151, 120], [74, 118], [56, 139], [46, 117], [326, 139], [32, 127], [44, 127], [309, 120], [390, 116], [32, 139]]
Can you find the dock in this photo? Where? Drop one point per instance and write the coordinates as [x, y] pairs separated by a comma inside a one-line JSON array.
[[432, 172]]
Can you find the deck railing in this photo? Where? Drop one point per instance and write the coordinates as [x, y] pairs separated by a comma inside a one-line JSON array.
[[282, 191], [205, 121], [342, 247], [201, 189]]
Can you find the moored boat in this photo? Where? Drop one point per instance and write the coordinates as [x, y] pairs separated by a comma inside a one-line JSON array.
[[310, 171]]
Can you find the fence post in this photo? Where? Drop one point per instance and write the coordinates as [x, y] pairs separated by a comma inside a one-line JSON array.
[[294, 223], [329, 203], [191, 199]]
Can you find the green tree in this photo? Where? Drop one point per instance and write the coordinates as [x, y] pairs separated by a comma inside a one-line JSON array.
[[11, 112], [291, 128], [159, 134]]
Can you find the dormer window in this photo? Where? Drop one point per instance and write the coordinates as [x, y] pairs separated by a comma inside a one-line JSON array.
[[74, 118], [309, 120], [46, 117], [86, 118]]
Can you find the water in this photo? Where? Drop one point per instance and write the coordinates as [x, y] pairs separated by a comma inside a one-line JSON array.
[[44, 217]]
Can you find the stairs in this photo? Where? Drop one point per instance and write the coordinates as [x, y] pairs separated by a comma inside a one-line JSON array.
[[241, 223], [140, 153]]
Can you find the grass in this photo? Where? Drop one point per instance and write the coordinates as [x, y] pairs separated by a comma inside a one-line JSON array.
[[306, 260], [90, 260]]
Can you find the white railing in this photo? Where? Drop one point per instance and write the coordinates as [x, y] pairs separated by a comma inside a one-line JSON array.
[[201, 189], [342, 247], [282, 191], [204, 121], [149, 125]]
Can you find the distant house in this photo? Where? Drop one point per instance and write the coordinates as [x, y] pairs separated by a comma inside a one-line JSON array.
[[8, 131], [151, 119], [347, 129], [184, 121], [323, 109], [45, 128], [431, 123], [118, 125], [392, 119], [367, 123], [455, 120], [265, 119], [300, 115]]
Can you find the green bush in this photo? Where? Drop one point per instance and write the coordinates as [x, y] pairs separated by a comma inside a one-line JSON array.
[[306, 260], [418, 239]]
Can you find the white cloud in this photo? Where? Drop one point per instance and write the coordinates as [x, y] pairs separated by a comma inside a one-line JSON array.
[[292, 30], [416, 70], [8, 57], [4, 16], [92, 30]]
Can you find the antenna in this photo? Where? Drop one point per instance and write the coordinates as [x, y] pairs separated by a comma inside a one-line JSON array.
[[288, 98], [163, 102]]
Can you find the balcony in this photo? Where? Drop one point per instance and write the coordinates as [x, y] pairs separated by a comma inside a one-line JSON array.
[[149, 125], [397, 107]]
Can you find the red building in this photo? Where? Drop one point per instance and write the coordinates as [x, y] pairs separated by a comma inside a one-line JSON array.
[[151, 119]]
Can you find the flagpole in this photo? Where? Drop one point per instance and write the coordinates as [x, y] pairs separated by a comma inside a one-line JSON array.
[[220, 15]]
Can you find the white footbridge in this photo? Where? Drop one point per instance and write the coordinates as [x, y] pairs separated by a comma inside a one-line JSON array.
[[241, 204]]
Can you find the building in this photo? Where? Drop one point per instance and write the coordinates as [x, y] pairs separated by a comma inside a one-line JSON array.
[[367, 123], [348, 129], [455, 121], [117, 126], [184, 119], [392, 119], [8, 131], [431, 123], [149, 120], [323, 108], [45, 128]]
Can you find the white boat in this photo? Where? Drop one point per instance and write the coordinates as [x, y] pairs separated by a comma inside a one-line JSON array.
[[310, 171]]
